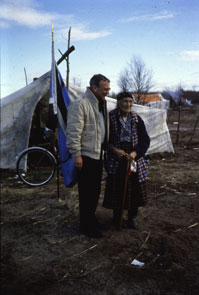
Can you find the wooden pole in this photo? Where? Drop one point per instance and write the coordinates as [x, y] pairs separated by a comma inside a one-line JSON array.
[[67, 61], [26, 76], [178, 127], [196, 123], [58, 187], [65, 54]]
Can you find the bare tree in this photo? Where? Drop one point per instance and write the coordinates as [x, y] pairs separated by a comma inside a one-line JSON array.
[[124, 81], [136, 78]]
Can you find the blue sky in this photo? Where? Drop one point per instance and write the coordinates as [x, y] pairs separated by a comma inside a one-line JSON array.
[[106, 34]]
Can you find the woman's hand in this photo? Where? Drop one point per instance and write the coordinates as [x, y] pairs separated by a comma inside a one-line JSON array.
[[132, 155]]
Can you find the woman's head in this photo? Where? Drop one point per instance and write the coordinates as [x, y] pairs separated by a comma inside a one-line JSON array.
[[125, 102]]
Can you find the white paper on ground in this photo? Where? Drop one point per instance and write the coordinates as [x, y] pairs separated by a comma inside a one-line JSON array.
[[137, 262]]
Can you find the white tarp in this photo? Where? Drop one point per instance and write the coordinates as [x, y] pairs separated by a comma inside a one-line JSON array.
[[164, 104], [17, 111], [18, 108], [155, 121]]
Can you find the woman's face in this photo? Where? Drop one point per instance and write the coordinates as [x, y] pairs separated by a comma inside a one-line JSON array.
[[125, 105]]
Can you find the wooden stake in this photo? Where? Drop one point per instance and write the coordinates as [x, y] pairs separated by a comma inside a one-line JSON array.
[[178, 128], [26, 76], [196, 123], [124, 192]]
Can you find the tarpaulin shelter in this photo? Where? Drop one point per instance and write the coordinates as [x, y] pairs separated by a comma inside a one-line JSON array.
[[18, 114]]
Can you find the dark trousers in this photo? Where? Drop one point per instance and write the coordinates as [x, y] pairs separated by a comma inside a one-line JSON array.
[[89, 186]]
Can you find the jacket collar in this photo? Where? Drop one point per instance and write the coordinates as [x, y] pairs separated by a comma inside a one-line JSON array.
[[91, 96], [93, 99]]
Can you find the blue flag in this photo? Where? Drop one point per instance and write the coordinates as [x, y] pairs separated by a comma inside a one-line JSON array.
[[69, 171], [58, 104]]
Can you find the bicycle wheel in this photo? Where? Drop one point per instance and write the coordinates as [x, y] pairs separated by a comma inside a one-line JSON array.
[[36, 166]]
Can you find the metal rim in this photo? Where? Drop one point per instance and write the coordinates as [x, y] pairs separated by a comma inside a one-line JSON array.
[[24, 153]]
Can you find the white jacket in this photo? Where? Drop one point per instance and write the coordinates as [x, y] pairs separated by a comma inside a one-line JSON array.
[[83, 127]]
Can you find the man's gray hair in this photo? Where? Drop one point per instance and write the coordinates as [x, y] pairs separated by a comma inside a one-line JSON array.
[[95, 80]]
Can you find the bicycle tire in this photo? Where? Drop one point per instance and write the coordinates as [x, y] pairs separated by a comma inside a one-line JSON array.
[[40, 166]]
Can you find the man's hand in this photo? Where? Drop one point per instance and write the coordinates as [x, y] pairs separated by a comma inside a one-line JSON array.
[[119, 153], [78, 161]]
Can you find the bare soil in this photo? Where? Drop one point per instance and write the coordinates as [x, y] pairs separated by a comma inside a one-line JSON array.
[[42, 251]]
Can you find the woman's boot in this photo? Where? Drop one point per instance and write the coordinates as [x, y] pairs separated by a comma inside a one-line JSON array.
[[116, 217], [132, 218]]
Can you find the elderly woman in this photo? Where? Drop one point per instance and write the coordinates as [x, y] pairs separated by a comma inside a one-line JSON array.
[[128, 144]]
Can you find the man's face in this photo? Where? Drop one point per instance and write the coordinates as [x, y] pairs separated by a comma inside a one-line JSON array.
[[102, 90]]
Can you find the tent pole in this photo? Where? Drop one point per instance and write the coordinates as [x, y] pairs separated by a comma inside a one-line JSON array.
[[58, 191]]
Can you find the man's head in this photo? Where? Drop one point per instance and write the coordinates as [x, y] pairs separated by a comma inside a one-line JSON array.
[[100, 86]]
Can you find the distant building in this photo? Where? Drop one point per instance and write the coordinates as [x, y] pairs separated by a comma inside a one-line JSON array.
[[147, 98], [154, 100]]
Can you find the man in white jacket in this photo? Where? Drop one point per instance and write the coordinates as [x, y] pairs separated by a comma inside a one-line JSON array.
[[87, 136]]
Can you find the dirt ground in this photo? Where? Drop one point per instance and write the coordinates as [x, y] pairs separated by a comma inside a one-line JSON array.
[[43, 253]]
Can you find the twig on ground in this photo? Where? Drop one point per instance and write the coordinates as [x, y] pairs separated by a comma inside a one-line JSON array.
[[33, 211], [177, 265], [143, 244], [190, 226], [153, 260], [46, 220], [80, 253], [63, 241], [86, 273], [66, 276], [193, 225], [177, 230], [139, 254], [26, 258], [147, 237]]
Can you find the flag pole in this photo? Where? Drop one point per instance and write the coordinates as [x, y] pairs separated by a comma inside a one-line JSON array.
[[52, 32], [56, 145]]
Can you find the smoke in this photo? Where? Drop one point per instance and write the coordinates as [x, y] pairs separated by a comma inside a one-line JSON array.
[[177, 96]]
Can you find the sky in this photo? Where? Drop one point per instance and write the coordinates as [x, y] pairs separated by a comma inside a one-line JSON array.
[[106, 35]]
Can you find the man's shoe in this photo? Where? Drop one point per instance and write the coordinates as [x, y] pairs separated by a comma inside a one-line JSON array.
[[101, 226], [132, 223], [92, 234]]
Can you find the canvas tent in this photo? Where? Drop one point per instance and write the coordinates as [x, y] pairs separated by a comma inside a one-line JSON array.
[[18, 111]]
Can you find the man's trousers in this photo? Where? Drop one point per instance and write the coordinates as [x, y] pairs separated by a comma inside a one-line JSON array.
[[89, 186]]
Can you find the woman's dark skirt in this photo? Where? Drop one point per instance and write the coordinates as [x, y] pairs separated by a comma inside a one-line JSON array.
[[136, 193]]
